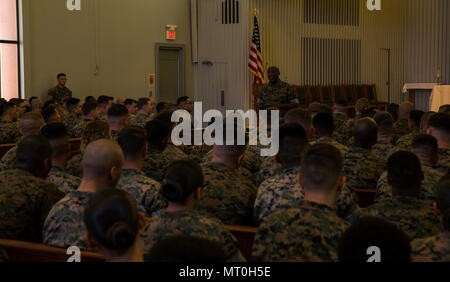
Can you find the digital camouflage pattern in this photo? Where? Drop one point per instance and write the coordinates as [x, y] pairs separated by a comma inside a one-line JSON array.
[[431, 179], [226, 195], [269, 168], [328, 140], [362, 168], [401, 127], [174, 152], [404, 143], [143, 189], [444, 161], [309, 233], [382, 149], [187, 223], [251, 160], [9, 132], [247, 161], [73, 167], [59, 94], [71, 121], [132, 119], [347, 204], [64, 181], [280, 92], [156, 164], [415, 217], [280, 192], [345, 133], [432, 249], [25, 201], [9, 159], [103, 117], [141, 119], [339, 120], [78, 129], [64, 226], [198, 153]]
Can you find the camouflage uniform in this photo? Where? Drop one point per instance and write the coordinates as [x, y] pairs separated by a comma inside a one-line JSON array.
[[198, 153], [25, 201], [174, 152], [416, 217], [401, 127], [404, 143], [187, 223], [63, 180], [143, 189], [305, 234], [347, 204], [58, 94], [280, 92], [432, 249], [362, 168], [64, 226], [9, 132], [382, 149], [103, 117], [226, 195], [280, 192], [78, 129], [432, 177], [444, 161], [132, 119], [9, 159], [141, 119], [73, 167], [269, 168], [345, 133], [328, 140], [247, 161], [339, 120], [71, 121], [155, 165]]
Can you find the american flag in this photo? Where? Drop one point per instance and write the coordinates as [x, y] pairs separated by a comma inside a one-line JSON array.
[[255, 62]]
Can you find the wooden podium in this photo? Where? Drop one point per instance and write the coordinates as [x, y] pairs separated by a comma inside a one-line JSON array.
[[411, 88]]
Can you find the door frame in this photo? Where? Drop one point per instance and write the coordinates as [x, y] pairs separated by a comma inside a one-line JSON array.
[[181, 66]]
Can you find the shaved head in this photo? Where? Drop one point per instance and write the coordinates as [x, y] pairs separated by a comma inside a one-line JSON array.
[[31, 123], [405, 109], [366, 133], [100, 158]]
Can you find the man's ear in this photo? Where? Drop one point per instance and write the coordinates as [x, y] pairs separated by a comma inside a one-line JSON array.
[[142, 220], [300, 180], [198, 194], [91, 242], [240, 158], [436, 210], [341, 183]]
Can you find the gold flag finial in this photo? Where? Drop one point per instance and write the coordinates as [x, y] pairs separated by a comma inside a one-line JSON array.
[[255, 12]]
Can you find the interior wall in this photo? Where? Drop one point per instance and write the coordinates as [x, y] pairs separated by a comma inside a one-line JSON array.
[[283, 28], [427, 41], [106, 48]]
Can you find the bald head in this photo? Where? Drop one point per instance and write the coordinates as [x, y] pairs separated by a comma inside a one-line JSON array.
[[31, 123], [302, 117], [405, 109], [103, 161], [366, 133]]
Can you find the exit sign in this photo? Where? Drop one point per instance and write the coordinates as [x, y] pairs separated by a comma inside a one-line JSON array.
[[171, 35]]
